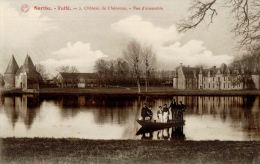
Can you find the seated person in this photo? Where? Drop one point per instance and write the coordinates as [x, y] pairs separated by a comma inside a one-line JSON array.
[[146, 112]]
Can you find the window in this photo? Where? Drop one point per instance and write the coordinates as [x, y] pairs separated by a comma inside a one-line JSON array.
[[213, 85], [224, 85], [209, 85]]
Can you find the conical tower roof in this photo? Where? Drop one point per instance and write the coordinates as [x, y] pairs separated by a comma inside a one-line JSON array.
[[29, 68], [28, 65], [12, 66]]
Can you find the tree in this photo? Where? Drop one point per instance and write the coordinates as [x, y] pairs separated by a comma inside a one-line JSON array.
[[67, 69], [246, 14], [101, 67], [248, 64], [1, 80], [148, 57], [132, 55], [111, 72], [42, 71], [122, 71]]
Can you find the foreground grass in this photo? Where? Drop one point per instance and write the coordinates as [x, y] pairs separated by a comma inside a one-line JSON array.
[[44, 150]]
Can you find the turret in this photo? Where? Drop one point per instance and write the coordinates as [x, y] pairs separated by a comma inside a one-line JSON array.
[[9, 75]]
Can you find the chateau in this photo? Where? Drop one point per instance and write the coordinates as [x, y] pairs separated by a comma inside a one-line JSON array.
[[214, 78], [26, 77]]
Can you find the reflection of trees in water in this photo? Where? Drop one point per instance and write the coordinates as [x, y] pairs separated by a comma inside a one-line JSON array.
[[251, 122], [1, 100], [106, 109], [21, 107]]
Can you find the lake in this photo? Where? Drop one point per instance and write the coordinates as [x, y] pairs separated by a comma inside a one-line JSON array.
[[101, 117]]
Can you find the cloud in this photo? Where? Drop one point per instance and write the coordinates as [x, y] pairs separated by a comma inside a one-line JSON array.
[[192, 53], [145, 31], [78, 54], [19, 29], [167, 44]]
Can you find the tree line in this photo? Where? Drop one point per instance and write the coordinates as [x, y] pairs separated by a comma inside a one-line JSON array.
[[136, 67]]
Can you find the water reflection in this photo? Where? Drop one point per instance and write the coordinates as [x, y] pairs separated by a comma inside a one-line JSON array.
[[102, 117], [173, 134], [23, 107]]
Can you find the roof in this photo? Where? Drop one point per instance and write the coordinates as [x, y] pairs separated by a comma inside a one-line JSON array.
[[28, 68], [66, 75], [12, 66], [224, 69], [190, 72]]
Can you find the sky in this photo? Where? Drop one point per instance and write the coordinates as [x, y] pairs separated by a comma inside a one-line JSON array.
[[79, 38]]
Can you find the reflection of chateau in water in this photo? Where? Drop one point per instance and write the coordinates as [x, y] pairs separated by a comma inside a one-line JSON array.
[[242, 111], [24, 108]]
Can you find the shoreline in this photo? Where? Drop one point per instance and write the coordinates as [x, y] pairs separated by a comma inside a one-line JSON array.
[[71, 150], [153, 92]]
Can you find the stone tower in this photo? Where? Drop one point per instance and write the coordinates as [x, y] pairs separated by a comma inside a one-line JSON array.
[[27, 76], [9, 75]]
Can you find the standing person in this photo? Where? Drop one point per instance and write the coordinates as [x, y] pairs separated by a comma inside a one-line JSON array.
[[150, 113], [159, 114], [165, 113], [182, 108], [173, 107]]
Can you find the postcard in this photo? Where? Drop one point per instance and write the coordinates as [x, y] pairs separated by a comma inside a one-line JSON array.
[[120, 81]]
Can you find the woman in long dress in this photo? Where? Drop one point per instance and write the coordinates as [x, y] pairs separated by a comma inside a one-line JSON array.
[[160, 114], [165, 113]]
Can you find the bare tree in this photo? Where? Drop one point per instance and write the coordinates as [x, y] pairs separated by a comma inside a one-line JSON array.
[[67, 69], [1, 80], [111, 72], [74, 69], [148, 58], [122, 71], [132, 55], [246, 14], [101, 67], [248, 65], [42, 71]]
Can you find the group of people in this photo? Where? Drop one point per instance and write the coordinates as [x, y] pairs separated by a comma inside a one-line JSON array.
[[163, 113]]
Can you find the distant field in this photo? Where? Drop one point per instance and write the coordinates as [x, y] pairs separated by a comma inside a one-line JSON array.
[[45, 150]]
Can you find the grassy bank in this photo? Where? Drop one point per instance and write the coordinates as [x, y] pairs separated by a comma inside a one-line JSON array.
[[126, 151], [153, 91]]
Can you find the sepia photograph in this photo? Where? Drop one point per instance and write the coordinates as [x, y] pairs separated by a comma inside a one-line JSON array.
[[120, 81]]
